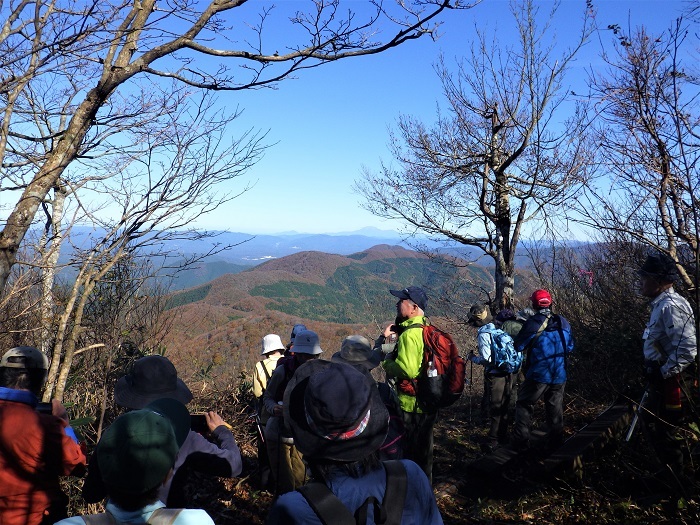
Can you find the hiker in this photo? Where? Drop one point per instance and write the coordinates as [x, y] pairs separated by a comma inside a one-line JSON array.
[[356, 350], [287, 465], [405, 363], [136, 454], [507, 320], [669, 359], [338, 421], [272, 350], [500, 379], [295, 330], [511, 323], [154, 377], [546, 339], [35, 447]]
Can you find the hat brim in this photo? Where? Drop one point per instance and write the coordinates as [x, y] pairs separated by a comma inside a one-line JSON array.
[[269, 351], [178, 415], [313, 446], [400, 294], [126, 396], [306, 349], [668, 277], [474, 321], [370, 364]]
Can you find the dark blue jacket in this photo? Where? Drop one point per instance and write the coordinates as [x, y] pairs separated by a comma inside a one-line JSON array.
[[419, 507], [547, 355]]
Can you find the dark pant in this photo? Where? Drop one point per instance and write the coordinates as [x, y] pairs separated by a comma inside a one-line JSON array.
[[501, 387], [528, 394], [485, 407], [418, 441], [264, 472], [665, 419]]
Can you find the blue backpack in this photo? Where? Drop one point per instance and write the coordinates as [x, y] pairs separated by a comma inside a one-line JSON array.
[[503, 354]]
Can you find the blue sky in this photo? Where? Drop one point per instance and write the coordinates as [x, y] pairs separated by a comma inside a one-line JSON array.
[[331, 121]]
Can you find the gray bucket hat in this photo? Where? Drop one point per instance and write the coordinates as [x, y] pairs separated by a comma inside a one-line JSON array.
[[357, 350], [306, 342]]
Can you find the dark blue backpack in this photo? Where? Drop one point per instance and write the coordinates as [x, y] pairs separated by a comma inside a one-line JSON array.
[[503, 354]]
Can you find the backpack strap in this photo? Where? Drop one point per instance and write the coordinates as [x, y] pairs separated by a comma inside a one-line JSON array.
[[267, 373], [267, 380], [164, 516], [563, 340], [541, 329], [395, 494], [329, 509], [104, 518], [394, 497]]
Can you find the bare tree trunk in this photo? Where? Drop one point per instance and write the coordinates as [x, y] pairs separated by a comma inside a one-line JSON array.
[[67, 148], [49, 266], [69, 351], [61, 336]]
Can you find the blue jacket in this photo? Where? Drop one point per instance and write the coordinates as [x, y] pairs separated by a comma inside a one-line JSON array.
[[420, 507], [547, 355]]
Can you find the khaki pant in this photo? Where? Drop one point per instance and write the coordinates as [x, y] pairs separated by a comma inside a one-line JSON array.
[[286, 463]]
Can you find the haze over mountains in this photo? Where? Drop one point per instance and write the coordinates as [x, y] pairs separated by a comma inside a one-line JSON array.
[[239, 251], [248, 250]]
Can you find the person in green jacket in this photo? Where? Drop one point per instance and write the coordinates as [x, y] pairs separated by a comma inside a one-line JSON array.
[[405, 363]]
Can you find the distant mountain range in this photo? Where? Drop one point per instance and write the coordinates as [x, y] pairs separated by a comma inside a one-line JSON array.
[[240, 251], [247, 250], [320, 286]]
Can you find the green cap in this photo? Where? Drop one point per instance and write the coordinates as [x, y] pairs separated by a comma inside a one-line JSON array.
[[137, 451]]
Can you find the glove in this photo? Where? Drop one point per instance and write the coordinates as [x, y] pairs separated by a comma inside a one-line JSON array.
[[471, 357], [652, 372]]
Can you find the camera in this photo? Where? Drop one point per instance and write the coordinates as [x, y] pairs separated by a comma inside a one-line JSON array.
[[198, 423]]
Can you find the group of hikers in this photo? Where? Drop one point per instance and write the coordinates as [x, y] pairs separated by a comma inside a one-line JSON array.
[[334, 445]]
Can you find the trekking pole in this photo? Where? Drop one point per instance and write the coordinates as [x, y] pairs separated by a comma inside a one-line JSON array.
[[640, 407], [258, 425]]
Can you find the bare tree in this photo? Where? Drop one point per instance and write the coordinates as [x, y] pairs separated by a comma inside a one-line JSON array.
[[648, 137], [156, 196], [76, 75], [498, 159]]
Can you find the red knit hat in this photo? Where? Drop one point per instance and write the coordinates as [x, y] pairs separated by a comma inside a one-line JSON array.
[[541, 299]]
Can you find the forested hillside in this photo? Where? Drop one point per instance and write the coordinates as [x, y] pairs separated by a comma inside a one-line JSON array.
[[334, 295]]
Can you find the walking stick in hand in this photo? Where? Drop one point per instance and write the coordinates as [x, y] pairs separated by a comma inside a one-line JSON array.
[[640, 407]]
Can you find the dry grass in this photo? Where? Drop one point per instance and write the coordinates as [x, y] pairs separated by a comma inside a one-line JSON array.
[[616, 487]]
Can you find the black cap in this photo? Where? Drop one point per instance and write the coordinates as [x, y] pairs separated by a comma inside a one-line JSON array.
[[414, 293]]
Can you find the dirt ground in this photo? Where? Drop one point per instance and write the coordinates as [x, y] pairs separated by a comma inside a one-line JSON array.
[[617, 486]]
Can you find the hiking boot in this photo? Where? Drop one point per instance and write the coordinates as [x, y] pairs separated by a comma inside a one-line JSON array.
[[554, 443], [520, 446], [489, 446]]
